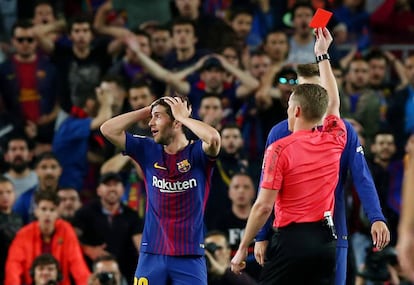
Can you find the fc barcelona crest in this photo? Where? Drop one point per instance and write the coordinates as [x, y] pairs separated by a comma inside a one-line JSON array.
[[183, 166]]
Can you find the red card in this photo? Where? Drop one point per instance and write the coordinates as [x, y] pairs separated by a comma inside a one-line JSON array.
[[320, 19]]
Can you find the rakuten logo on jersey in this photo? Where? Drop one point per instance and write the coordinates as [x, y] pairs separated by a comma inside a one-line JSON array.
[[173, 187]]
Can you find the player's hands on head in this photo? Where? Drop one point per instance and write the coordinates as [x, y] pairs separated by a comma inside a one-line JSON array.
[[323, 41], [179, 107]]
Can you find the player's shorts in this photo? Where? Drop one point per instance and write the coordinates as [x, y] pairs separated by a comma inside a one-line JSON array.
[[155, 269]]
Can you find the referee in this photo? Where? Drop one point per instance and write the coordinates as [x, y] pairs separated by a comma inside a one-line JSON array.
[[300, 174]]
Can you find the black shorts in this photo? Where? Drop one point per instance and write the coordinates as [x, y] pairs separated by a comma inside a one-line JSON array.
[[300, 253]]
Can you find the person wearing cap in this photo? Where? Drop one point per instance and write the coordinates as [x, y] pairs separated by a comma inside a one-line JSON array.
[[211, 79], [107, 226]]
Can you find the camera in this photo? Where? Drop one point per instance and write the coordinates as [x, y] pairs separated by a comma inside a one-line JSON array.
[[211, 247], [376, 264], [106, 278]]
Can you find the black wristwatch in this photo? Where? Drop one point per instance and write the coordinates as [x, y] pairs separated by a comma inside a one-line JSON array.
[[322, 57]]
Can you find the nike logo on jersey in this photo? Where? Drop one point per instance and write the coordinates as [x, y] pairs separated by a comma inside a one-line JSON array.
[[157, 166]]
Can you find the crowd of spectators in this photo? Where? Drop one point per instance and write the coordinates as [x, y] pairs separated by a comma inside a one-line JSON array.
[[68, 66]]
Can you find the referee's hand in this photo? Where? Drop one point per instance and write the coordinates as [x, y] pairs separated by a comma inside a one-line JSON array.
[[238, 262], [380, 234]]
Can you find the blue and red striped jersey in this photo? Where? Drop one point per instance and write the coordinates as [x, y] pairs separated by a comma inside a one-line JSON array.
[[177, 190]]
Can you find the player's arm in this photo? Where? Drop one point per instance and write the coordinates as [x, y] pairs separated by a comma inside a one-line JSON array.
[[114, 129], [366, 190], [209, 135], [328, 81]]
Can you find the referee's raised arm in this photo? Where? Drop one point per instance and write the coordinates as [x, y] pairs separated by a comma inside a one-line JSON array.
[[328, 81]]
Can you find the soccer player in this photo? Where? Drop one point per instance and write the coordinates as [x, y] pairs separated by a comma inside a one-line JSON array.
[[300, 174], [177, 178], [353, 159]]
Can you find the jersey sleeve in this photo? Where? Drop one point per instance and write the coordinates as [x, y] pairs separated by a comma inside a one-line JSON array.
[[362, 178], [138, 147], [273, 165], [335, 127]]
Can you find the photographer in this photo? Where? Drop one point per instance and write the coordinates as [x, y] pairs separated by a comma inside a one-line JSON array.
[[45, 270], [218, 262], [106, 272]]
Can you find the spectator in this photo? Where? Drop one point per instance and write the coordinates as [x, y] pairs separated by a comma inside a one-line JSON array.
[[81, 65], [393, 21], [107, 226], [388, 175], [206, 26], [10, 222], [233, 220], [249, 118], [184, 38], [241, 23], [358, 99], [29, 87], [272, 102], [19, 156], [276, 45], [302, 41], [352, 13], [48, 171], [45, 270], [231, 160], [218, 262], [69, 203], [212, 75], [46, 24], [161, 43], [140, 95], [106, 271], [380, 77], [46, 235], [72, 141], [400, 113], [211, 111]]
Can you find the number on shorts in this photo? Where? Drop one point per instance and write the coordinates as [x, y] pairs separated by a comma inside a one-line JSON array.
[[140, 281]]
